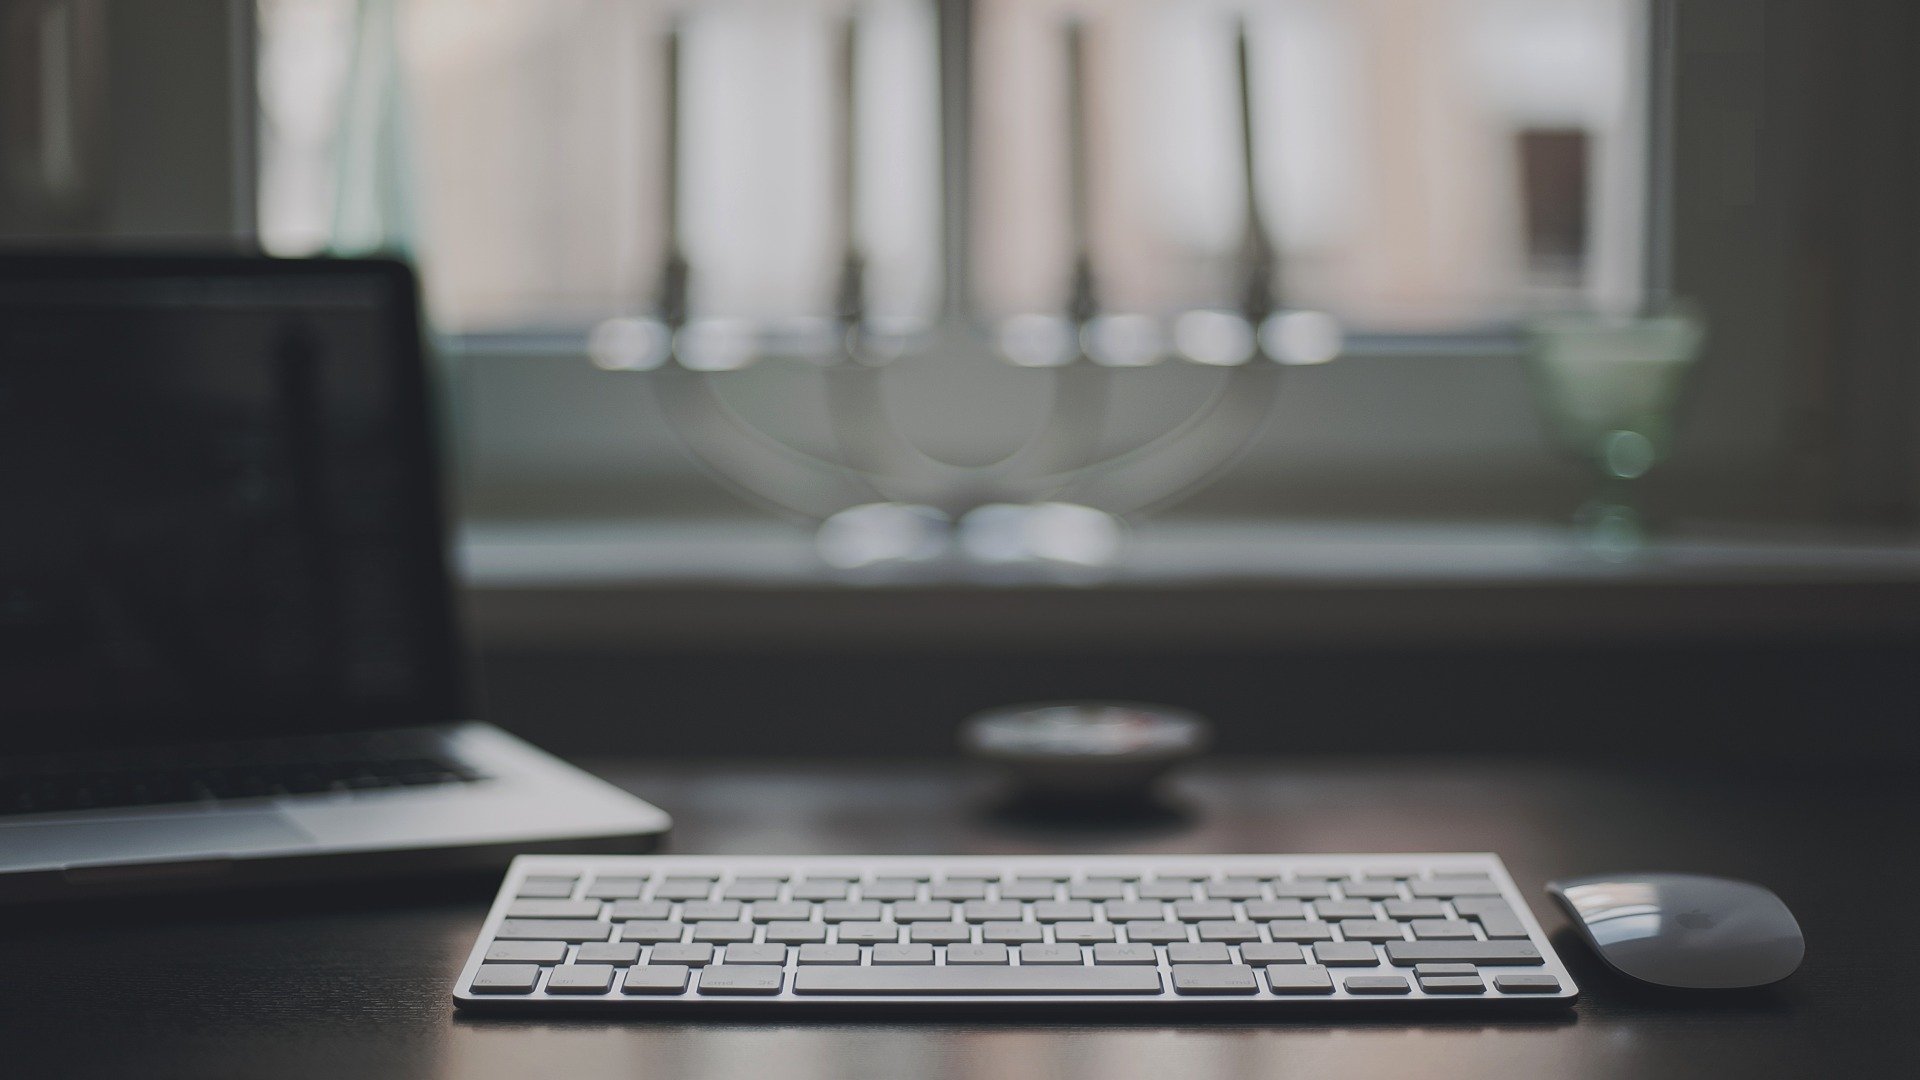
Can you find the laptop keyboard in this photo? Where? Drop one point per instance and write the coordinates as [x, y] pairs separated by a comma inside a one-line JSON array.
[[98, 789], [688, 934]]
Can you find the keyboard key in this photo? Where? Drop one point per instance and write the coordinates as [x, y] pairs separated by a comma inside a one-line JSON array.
[[1515, 953], [1084, 933], [752, 889], [958, 890], [1441, 930], [796, 933], [742, 979], [655, 979], [1449, 887], [1263, 910], [983, 980], [1028, 889], [977, 954], [991, 911], [1345, 954], [1097, 889], [546, 887], [1332, 910], [553, 930], [940, 933], [781, 911], [580, 979], [710, 911], [754, 954], [1157, 933], [1125, 954], [1206, 952], [1425, 970], [554, 909], [624, 910], [685, 955], [829, 954], [682, 888], [616, 888], [908, 911], [648, 931], [1131, 910], [1231, 889], [1012, 933], [815, 889], [1452, 984], [723, 932], [1299, 930], [1302, 890], [852, 911], [505, 978], [1262, 953], [1371, 890], [1502, 926], [1050, 954], [1514, 982], [1496, 919], [1196, 910], [890, 889], [1181, 889], [608, 952], [1214, 979], [868, 933], [1415, 909], [977, 874], [526, 952], [1063, 911], [917, 953], [1229, 931], [1370, 930], [1299, 979], [1377, 984]]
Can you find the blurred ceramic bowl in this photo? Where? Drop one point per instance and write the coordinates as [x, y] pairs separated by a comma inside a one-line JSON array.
[[1085, 750]]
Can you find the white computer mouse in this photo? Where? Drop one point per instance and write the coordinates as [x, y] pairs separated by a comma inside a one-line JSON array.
[[1685, 930]]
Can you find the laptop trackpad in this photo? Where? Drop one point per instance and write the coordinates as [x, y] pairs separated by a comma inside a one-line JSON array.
[[47, 845]]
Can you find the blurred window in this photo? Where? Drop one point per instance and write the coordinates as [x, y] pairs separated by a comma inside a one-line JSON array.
[[1423, 165]]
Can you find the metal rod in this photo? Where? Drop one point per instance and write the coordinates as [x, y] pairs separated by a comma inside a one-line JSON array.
[[1083, 304], [851, 301], [1257, 253], [1657, 288], [955, 45], [672, 299]]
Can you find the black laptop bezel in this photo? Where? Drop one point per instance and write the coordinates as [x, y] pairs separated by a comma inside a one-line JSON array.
[[444, 697]]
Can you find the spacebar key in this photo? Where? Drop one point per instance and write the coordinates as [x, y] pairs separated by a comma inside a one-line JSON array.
[[905, 981]]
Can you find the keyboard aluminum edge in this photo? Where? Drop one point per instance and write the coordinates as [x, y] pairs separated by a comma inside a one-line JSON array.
[[691, 1005]]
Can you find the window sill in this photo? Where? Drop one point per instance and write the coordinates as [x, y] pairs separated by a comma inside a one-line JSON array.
[[1186, 585]]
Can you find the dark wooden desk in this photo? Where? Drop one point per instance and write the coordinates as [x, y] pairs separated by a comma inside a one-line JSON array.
[[354, 985]]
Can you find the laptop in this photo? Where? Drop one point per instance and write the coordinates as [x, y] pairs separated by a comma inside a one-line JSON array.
[[228, 646]]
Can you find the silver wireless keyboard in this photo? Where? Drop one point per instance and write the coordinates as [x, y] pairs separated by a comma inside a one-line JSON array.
[[692, 935]]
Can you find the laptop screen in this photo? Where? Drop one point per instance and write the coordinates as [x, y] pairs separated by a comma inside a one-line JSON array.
[[219, 505]]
